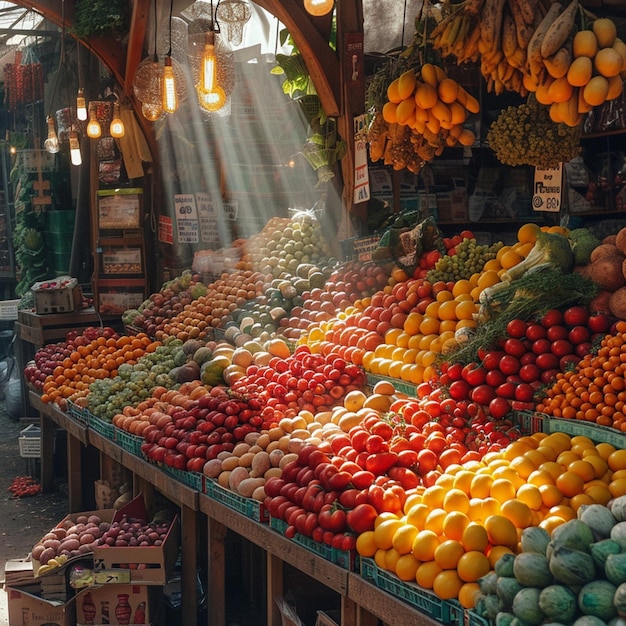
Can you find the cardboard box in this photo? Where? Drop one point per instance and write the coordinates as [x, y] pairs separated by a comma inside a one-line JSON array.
[[152, 565], [27, 607], [58, 300], [106, 515], [97, 605]]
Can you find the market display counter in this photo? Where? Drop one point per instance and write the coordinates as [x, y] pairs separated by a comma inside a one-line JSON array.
[[362, 603], [34, 330]]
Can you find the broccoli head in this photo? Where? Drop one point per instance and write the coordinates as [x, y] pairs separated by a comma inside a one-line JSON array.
[[551, 250], [583, 242]]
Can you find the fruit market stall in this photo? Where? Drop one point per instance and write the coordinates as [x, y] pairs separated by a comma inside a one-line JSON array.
[[393, 436]]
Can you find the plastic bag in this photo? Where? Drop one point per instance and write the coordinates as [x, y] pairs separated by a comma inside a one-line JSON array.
[[405, 240]]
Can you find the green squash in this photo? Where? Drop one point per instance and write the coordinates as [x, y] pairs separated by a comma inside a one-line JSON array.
[[535, 539], [558, 603], [600, 550], [572, 567], [615, 568], [596, 599], [526, 606], [532, 569]]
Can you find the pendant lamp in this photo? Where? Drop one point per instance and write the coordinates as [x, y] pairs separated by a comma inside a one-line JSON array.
[[318, 8]]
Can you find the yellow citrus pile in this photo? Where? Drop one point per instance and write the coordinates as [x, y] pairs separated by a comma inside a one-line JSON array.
[[453, 532]]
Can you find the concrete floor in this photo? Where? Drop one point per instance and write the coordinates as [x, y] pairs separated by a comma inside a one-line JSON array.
[[23, 521]]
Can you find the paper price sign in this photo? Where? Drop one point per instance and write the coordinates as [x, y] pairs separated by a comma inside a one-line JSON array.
[[187, 224], [230, 210], [547, 189], [208, 219]]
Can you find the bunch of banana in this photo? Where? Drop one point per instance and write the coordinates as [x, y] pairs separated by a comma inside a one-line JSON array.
[[458, 34], [53, 563]]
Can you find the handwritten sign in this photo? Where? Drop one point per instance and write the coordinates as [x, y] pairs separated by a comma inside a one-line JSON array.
[[361, 176], [547, 189], [209, 232], [187, 223]]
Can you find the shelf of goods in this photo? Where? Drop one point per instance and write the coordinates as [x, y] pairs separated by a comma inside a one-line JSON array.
[[367, 594]]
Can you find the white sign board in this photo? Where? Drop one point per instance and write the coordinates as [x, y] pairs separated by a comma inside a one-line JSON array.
[[187, 225], [548, 189]]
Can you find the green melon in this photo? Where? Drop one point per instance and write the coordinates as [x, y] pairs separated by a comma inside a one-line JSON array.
[[596, 599], [558, 602]]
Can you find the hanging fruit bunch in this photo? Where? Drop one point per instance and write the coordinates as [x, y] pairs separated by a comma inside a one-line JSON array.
[[495, 33], [592, 72], [527, 46], [424, 112], [525, 135]]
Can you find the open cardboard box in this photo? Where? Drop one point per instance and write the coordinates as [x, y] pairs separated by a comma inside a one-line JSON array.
[[150, 565], [106, 515], [26, 606]]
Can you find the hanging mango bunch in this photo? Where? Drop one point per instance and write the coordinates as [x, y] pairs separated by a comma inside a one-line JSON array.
[[425, 111]]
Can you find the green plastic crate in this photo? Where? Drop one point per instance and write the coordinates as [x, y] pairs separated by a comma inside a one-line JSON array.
[[195, 480], [348, 559], [246, 506], [129, 442], [102, 427], [424, 600]]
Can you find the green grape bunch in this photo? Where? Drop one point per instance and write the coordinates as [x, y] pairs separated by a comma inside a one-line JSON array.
[[525, 135], [469, 258]]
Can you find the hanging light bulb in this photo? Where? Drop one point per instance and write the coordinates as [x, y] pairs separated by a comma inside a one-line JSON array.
[[117, 126], [51, 144], [81, 105], [210, 95], [75, 155], [152, 111], [94, 129], [170, 98], [318, 7]]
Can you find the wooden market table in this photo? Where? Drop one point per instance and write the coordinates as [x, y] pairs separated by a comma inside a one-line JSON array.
[[362, 603]]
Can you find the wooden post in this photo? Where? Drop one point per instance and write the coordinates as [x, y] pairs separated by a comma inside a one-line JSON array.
[[217, 572]]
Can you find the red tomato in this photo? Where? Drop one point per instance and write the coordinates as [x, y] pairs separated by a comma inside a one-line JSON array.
[[506, 390], [332, 518], [551, 318], [576, 315], [549, 375], [427, 461], [474, 374], [509, 364], [515, 347], [491, 359], [583, 348], [516, 328], [535, 331], [578, 335], [455, 371], [529, 357], [361, 518], [540, 346], [556, 332], [561, 347], [499, 407], [599, 323], [483, 394], [529, 372], [566, 361], [494, 378], [459, 389], [524, 392], [547, 361]]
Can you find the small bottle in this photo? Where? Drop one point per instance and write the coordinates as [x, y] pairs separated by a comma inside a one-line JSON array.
[[104, 610], [140, 614], [123, 610], [89, 609]]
